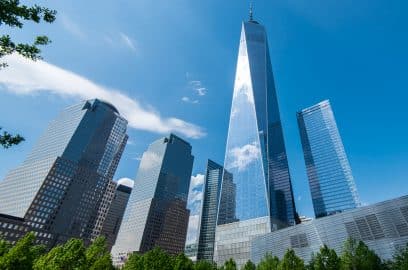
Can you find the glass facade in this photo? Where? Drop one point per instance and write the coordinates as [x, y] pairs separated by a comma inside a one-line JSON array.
[[212, 189], [157, 214], [382, 226], [330, 177], [60, 185]]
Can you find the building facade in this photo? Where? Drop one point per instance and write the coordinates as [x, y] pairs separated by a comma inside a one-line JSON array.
[[330, 177], [208, 222], [59, 187], [255, 154], [157, 214], [114, 213], [382, 226]]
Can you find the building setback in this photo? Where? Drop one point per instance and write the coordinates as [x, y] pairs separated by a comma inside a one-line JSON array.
[[58, 189], [157, 214], [257, 194], [382, 226], [330, 178]]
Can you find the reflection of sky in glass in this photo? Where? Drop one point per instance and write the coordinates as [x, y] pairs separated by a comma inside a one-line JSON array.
[[244, 155]]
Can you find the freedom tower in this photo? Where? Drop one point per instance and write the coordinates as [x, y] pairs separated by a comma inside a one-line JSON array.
[[256, 194]]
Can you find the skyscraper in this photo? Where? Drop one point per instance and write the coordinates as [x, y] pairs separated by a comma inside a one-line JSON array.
[[255, 153], [211, 197], [59, 187], [157, 213], [114, 212], [330, 178]]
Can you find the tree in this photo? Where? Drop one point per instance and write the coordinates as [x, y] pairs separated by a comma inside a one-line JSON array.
[[326, 259], [181, 262], [4, 247], [269, 262], [229, 265], [400, 261], [157, 259], [98, 256], [249, 266], [205, 265], [134, 262], [12, 14], [291, 262], [69, 256], [357, 256], [22, 255], [7, 140]]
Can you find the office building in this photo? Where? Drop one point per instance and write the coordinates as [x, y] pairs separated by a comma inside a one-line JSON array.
[[330, 177], [157, 214], [208, 222], [58, 189], [255, 154], [382, 226]]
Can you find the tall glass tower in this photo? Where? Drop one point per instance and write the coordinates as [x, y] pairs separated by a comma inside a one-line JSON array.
[[255, 153], [330, 178], [59, 187], [157, 214]]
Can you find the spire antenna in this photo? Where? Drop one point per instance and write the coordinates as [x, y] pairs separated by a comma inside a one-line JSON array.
[[251, 17]]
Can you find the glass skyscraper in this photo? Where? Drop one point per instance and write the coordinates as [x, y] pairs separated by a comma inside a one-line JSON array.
[[255, 154], [330, 178], [157, 214], [211, 197], [59, 187]]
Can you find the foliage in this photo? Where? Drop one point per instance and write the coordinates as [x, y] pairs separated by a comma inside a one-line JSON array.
[[356, 255], [326, 259], [4, 247], [269, 262], [98, 256], [205, 265], [400, 261], [229, 265], [249, 266], [135, 261], [12, 14], [157, 259], [22, 255], [183, 263], [7, 140], [291, 262]]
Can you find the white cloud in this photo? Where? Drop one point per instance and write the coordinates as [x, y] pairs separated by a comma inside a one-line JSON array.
[[188, 100], [126, 182], [149, 161], [195, 195], [192, 231], [243, 156], [198, 87], [197, 180], [71, 26], [126, 40], [25, 77]]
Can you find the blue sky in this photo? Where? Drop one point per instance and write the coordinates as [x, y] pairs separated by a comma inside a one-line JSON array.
[[174, 63]]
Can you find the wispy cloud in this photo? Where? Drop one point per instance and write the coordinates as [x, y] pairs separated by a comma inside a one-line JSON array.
[[195, 198], [192, 231], [245, 155], [198, 87], [71, 26], [25, 77], [188, 100], [127, 41]]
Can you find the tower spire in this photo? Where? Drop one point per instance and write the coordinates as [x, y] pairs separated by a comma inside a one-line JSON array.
[[251, 18]]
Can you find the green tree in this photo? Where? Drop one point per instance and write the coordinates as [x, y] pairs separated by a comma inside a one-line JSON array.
[[229, 265], [98, 256], [291, 262], [13, 14], [134, 262], [4, 247], [7, 140], [181, 262], [357, 256], [249, 266], [157, 259], [400, 261], [269, 262], [22, 255], [205, 265], [326, 259], [70, 256]]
